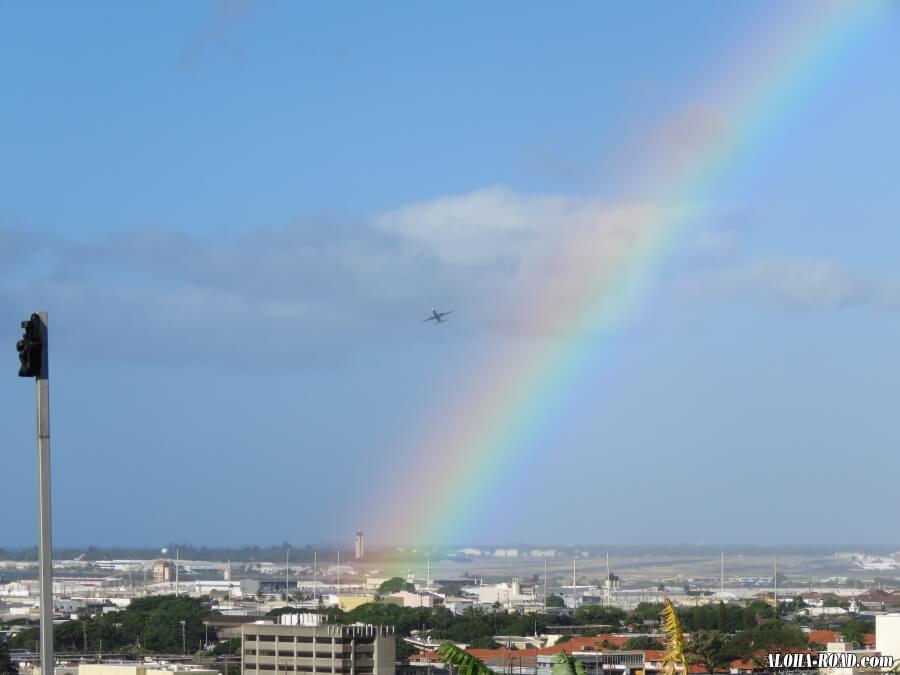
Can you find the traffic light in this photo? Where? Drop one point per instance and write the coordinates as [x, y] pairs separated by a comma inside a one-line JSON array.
[[31, 348]]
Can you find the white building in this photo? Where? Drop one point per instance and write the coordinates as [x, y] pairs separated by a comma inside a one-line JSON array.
[[237, 588], [887, 635], [847, 669], [419, 599], [506, 553], [504, 593]]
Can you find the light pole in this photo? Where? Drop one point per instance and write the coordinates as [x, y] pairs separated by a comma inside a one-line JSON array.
[[206, 635], [183, 643]]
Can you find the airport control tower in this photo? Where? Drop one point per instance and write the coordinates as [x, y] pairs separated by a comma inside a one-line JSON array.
[[360, 545]]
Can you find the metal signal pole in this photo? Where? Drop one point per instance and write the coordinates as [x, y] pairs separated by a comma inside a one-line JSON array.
[[42, 388], [33, 354]]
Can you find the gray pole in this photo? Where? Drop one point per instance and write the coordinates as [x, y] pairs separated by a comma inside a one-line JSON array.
[[42, 389]]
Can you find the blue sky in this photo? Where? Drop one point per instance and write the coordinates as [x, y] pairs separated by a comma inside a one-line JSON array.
[[237, 214]]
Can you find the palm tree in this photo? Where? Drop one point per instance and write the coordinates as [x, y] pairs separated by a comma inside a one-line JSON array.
[[566, 664], [674, 640], [463, 661]]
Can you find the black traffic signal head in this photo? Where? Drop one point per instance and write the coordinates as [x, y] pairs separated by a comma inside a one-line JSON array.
[[31, 348]]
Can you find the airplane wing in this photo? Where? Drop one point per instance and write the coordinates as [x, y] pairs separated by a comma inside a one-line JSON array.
[[430, 318], [443, 314]]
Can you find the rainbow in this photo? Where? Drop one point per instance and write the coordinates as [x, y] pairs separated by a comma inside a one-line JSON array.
[[507, 399]]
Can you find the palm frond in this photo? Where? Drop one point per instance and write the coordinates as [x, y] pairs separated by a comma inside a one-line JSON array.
[[566, 664], [675, 651], [462, 661]]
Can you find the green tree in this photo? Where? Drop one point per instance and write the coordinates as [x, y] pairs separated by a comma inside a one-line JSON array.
[[769, 636], [599, 614], [565, 664], [722, 617], [555, 601], [710, 648], [648, 610], [749, 618], [230, 646], [7, 667], [644, 642], [154, 623], [404, 649], [451, 588], [395, 585], [855, 631]]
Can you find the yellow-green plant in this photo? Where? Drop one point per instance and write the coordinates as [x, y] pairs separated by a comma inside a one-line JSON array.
[[462, 661], [671, 628]]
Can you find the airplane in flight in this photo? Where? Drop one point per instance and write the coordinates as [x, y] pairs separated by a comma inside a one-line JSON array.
[[437, 316]]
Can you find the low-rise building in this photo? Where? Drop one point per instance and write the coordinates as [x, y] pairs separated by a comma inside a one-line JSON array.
[[163, 571], [334, 649], [887, 635], [410, 599]]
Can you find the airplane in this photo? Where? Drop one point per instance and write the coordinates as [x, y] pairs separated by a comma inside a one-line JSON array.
[[438, 316]]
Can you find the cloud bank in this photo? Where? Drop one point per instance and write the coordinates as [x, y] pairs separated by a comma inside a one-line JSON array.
[[313, 291]]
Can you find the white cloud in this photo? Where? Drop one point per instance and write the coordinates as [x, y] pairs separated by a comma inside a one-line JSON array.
[[488, 251], [531, 233], [309, 287], [482, 226], [811, 283]]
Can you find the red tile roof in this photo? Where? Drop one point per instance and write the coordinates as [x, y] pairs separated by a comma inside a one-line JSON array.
[[576, 644], [823, 637]]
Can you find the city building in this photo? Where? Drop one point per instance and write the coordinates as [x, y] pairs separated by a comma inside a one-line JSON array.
[[599, 663], [347, 602], [141, 669], [335, 649], [846, 667], [163, 571], [136, 668], [503, 593], [411, 599], [238, 588], [887, 635], [360, 549]]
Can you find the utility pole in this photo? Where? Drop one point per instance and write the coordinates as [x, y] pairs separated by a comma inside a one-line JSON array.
[[287, 572], [723, 573], [545, 583], [177, 559], [33, 357], [574, 596], [608, 581], [775, 579]]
